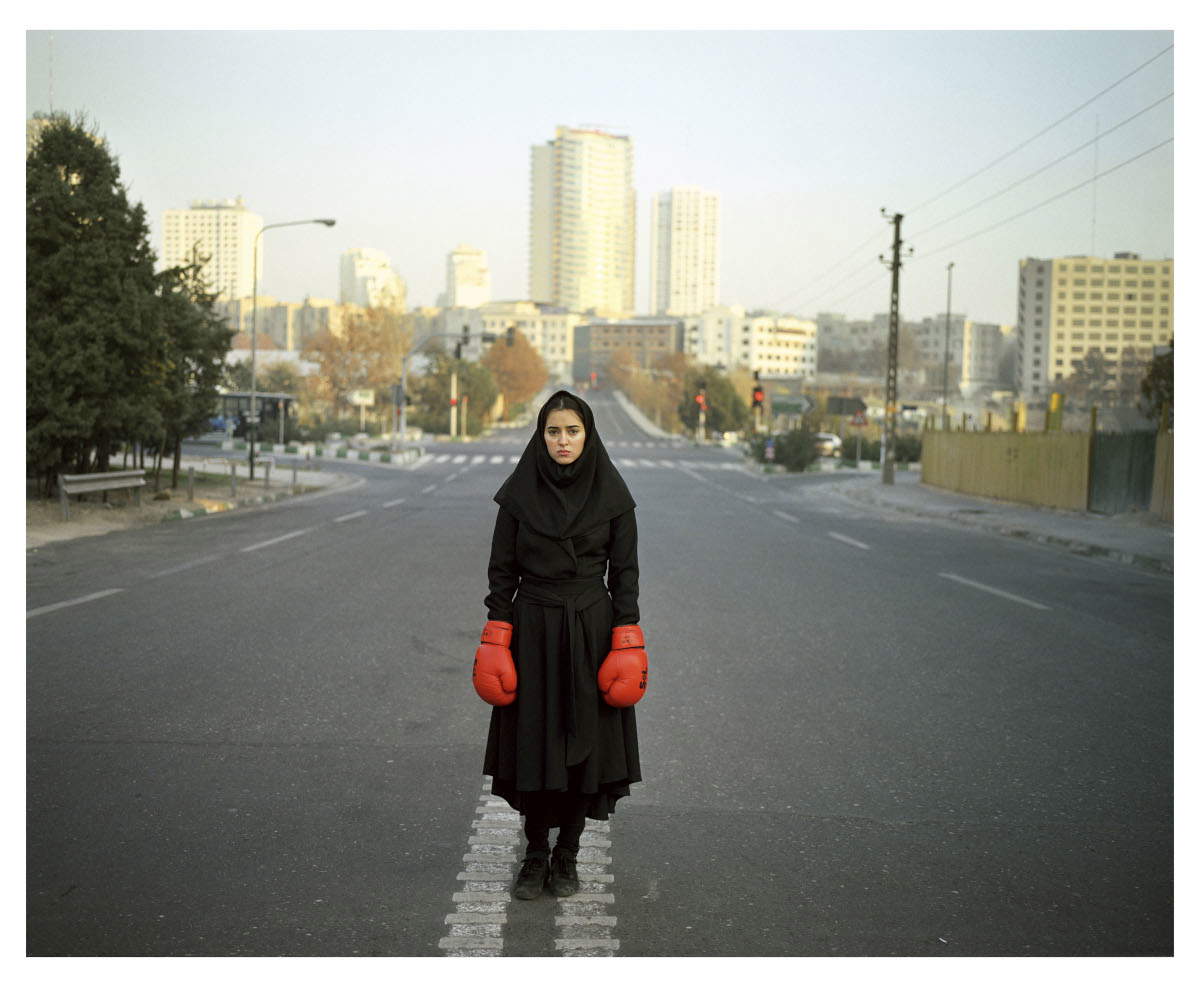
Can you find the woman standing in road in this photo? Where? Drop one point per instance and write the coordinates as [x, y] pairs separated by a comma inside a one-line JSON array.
[[562, 657]]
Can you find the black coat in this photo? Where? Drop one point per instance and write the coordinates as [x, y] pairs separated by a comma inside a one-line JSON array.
[[559, 734]]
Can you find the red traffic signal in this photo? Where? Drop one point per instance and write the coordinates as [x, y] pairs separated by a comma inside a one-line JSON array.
[[453, 402], [758, 397]]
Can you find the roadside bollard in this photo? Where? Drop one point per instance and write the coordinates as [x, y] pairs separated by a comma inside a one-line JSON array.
[[191, 483], [232, 478], [293, 477], [267, 474]]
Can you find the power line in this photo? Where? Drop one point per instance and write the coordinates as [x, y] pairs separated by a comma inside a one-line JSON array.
[[1053, 198], [1045, 167], [1045, 130]]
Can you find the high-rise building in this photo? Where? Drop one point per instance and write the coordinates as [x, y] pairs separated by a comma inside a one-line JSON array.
[[468, 278], [582, 224], [366, 278], [1068, 306], [221, 230], [684, 257]]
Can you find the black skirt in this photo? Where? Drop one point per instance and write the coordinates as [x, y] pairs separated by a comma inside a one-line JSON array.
[[559, 735]]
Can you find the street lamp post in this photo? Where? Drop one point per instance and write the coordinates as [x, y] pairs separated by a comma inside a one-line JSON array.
[[946, 352], [254, 329]]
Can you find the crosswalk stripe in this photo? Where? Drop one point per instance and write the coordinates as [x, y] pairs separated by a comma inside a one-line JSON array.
[[496, 459], [478, 459]]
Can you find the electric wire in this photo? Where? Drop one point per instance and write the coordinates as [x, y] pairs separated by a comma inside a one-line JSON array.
[[1044, 130], [1045, 167], [1046, 202]]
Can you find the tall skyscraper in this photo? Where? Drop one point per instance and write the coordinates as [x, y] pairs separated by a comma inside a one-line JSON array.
[[223, 230], [366, 278], [468, 279], [1068, 306], [582, 225], [684, 258]]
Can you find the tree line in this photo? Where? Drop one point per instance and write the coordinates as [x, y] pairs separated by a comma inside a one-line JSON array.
[[117, 355]]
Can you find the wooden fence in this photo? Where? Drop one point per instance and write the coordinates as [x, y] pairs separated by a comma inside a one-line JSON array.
[[1108, 472], [1047, 469]]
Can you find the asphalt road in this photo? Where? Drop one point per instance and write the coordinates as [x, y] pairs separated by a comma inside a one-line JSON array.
[[254, 733]]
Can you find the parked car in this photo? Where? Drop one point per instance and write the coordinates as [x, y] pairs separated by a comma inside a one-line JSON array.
[[828, 444]]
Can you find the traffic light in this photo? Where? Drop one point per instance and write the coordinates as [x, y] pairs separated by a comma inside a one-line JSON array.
[[758, 397], [509, 335], [453, 402]]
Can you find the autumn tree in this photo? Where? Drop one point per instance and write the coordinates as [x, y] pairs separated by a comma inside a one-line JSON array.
[[727, 410], [477, 392], [518, 370], [366, 354]]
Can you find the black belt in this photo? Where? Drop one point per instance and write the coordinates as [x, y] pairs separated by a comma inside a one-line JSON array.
[[572, 595]]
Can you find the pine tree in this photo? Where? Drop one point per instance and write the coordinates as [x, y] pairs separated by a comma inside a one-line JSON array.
[[92, 321]]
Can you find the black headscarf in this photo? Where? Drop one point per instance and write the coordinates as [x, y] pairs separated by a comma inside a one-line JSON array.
[[560, 501]]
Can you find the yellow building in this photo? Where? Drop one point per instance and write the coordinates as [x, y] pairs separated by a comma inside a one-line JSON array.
[[1068, 306]]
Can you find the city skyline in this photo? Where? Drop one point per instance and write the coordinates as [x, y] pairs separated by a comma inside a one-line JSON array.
[[802, 176]]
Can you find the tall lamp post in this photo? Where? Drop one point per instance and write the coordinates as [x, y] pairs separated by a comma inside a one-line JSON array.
[[254, 329], [946, 356]]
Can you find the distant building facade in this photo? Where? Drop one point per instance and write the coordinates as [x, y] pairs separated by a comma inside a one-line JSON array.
[[582, 224], [366, 278], [987, 350], [647, 338], [1067, 306], [223, 231], [728, 337], [684, 250], [549, 329], [468, 279]]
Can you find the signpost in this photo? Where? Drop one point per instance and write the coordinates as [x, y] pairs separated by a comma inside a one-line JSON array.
[[363, 399]]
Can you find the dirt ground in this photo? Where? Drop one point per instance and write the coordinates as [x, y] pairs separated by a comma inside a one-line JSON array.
[[89, 515]]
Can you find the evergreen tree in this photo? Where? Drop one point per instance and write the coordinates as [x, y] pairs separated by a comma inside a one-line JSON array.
[[92, 320]]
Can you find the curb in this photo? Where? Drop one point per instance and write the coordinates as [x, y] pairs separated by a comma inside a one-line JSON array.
[[222, 506], [316, 451], [1072, 545]]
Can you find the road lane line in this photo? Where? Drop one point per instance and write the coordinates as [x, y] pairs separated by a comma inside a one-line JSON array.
[[186, 566], [785, 516], [38, 611], [348, 517], [647, 462], [993, 590], [581, 926], [496, 459], [459, 459], [430, 489], [849, 541], [394, 503], [478, 920], [273, 541], [478, 459], [667, 463]]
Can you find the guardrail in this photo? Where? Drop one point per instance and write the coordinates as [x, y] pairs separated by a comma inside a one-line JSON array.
[[78, 483]]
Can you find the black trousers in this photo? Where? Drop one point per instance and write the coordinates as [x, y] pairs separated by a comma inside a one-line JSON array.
[[568, 808]]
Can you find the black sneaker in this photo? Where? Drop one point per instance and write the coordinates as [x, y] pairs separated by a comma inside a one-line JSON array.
[[534, 875], [564, 878]]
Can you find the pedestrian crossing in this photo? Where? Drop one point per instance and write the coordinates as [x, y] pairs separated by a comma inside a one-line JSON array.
[[623, 462], [614, 444]]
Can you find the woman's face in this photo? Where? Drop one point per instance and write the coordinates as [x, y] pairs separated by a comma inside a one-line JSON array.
[[564, 435]]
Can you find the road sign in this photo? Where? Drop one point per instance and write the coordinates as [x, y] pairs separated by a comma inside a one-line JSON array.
[[858, 419], [364, 398]]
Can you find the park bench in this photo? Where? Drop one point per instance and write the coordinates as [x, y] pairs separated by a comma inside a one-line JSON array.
[[79, 483]]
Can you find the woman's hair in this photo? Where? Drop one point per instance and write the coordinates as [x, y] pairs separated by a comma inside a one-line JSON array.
[[566, 402]]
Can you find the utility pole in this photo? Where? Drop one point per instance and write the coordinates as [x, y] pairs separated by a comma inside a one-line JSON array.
[[946, 358], [889, 428]]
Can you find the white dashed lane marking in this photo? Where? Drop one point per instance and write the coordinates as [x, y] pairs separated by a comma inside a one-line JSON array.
[[849, 541], [992, 589], [38, 611], [394, 503], [274, 541], [430, 489], [785, 516]]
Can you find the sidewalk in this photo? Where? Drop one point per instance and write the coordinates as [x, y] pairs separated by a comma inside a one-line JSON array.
[[1133, 539]]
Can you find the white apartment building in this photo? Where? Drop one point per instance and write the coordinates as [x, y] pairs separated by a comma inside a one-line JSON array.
[[684, 250], [366, 278], [984, 347], [1067, 306], [223, 230], [468, 278], [582, 222], [550, 331], [774, 345]]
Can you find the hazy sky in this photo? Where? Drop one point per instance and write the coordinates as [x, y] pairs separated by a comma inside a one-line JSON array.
[[417, 141]]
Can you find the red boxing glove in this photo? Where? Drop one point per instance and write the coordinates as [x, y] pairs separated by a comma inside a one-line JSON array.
[[494, 675], [622, 677]]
